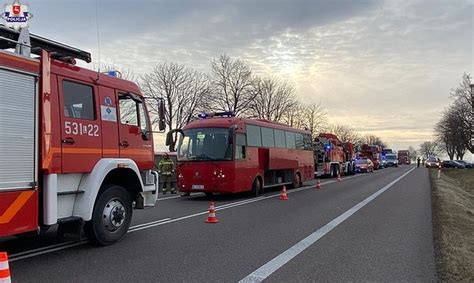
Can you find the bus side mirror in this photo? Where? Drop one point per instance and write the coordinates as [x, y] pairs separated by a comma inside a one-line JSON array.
[[161, 115]]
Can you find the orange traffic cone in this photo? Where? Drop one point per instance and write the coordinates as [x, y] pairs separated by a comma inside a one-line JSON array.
[[338, 177], [211, 218], [318, 185], [4, 268], [283, 195]]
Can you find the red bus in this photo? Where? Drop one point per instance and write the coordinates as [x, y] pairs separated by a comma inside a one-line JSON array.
[[231, 155]]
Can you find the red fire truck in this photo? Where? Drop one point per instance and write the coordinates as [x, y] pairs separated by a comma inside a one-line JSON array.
[[75, 145], [225, 154], [372, 152], [403, 157], [333, 157]]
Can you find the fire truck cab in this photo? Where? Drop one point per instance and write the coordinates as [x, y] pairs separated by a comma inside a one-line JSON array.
[[76, 147]]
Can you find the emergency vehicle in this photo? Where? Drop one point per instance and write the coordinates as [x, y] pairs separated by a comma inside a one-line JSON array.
[[220, 153], [76, 147], [332, 157], [403, 157], [372, 152]]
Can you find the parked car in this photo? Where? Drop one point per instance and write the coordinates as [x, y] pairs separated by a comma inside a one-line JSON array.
[[432, 162], [364, 165], [452, 164], [465, 163]]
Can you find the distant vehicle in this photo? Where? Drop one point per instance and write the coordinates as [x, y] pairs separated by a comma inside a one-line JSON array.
[[372, 152], [333, 157], [452, 164], [465, 163], [364, 165], [403, 157], [432, 162], [221, 153], [391, 160], [386, 151], [384, 161]]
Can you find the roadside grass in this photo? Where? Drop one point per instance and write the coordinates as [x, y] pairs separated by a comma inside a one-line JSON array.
[[453, 223]]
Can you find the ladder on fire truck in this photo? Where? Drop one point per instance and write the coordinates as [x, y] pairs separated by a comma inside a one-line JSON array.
[[25, 43]]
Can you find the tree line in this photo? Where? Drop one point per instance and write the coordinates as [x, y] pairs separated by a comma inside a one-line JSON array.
[[232, 86], [454, 130]]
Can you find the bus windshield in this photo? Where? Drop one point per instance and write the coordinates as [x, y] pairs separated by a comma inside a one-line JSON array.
[[204, 144]]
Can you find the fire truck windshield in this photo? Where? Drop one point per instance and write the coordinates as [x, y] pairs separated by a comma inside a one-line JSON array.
[[204, 144]]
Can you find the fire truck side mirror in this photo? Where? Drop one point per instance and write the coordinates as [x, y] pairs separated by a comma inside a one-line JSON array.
[[231, 136], [161, 115]]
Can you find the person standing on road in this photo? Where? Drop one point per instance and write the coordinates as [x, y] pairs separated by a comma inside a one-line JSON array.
[[418, 162], [166, 169]]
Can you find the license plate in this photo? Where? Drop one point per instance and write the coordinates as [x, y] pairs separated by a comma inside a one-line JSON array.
[[198, 187]]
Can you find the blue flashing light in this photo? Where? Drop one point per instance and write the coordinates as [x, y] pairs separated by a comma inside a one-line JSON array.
[[112, 74], [203, 115]]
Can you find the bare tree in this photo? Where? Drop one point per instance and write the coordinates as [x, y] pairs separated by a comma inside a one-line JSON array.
[[430, 149], [295, 116], [345, 133], [271, 99], [231, 82], [373, 140], [412, 152], [184, 91], [464, 106], [315, 118]]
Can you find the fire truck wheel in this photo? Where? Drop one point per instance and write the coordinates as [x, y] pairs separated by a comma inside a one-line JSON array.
[[111, 216], [256, 187]]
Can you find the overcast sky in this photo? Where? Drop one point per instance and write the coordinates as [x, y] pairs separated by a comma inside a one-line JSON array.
[[383, 67]]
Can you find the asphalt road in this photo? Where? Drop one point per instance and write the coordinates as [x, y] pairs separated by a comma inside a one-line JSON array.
[[371, 227]]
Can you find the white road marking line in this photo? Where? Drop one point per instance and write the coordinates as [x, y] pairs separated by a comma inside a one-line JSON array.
[[148, 223], [15, 258], [276, 263], [66, 245], [40, 249]]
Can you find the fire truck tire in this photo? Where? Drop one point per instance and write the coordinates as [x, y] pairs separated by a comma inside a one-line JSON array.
[[111, 216], [256, 188]]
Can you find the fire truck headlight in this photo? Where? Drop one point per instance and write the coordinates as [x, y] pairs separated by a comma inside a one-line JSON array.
[[180, 176]]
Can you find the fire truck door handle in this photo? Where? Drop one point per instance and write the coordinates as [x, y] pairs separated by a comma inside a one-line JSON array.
[[124, 144], [68, 141]]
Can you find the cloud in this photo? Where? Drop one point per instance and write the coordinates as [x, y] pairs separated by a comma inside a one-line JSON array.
[[381, 66]]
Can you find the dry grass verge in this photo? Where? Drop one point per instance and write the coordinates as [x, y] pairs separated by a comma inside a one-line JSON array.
[[453, 223]]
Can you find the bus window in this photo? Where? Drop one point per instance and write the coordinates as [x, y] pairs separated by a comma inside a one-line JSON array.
[[254, 138], [307, 142], [205, 144], [299, 142], [240, 146], [290, 140], [280, 138], [267, 137]]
